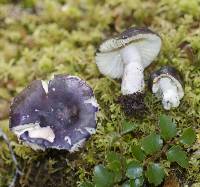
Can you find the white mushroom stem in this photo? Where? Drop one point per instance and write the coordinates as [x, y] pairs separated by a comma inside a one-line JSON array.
[[133, 77], [169, 92]]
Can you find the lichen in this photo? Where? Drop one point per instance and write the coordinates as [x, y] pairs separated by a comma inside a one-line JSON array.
[[42, 38]]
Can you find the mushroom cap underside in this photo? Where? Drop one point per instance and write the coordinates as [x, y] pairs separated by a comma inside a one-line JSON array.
[[109, 60], [66, 107]]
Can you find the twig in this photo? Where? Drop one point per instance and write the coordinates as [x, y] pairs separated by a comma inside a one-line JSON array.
[[17, 170]]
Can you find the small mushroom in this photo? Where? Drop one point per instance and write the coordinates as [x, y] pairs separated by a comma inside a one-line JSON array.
[[166, 83], [58, 114], [126, 56]]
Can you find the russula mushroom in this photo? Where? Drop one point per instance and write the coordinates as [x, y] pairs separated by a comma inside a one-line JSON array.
[[60, 113], [166, 83], [126, 56]]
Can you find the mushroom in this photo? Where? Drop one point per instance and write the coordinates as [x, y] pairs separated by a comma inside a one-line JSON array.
[[166, 83], [126, 56], [58, 114]]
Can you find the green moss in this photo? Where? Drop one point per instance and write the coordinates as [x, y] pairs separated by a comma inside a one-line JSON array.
[[41, 38]]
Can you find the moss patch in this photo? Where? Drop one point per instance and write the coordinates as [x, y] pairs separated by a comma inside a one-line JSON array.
[[42, 38]]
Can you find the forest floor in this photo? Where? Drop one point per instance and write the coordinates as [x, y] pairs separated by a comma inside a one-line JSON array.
[[42, 38]]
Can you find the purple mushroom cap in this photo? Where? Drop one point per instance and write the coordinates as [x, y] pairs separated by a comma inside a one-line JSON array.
[[60, 114]]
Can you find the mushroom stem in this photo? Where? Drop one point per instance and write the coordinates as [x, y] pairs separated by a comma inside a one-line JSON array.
[[133, 77], [169, 92]]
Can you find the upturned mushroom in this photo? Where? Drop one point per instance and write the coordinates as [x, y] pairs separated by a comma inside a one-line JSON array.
[[166, 83], [126, 56], [59, 114]]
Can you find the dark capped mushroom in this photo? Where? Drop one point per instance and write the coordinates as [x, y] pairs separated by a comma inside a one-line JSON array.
[[166, 83], [58, 114], [126, 56]]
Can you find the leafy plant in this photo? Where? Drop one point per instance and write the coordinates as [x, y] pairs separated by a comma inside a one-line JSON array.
[[155, 173], [152, 143], [188, 137], [153, 150], [102, 176]]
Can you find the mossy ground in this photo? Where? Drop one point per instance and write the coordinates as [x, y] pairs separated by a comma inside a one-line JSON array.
[[42, 38]]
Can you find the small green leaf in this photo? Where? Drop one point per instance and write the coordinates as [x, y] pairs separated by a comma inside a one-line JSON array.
[[168, 128], [138, 153], [127, 127], [103, 177], [155, 174], [188, 137], [115, 163], [137, 182], [87, 184], [134, 182], [152, 143], [126, 184], [134, 170], [176, 154]]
